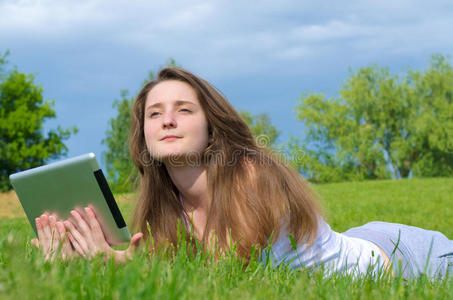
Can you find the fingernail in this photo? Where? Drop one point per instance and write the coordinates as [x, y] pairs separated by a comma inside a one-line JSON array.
[[89, 211]]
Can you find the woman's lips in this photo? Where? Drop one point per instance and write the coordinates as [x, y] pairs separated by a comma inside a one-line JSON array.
[[170, 138]]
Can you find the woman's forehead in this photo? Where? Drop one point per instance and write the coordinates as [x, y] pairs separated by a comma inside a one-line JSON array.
[[171, 91]]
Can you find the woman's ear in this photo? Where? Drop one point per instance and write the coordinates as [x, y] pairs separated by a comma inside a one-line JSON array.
[[210, 135]]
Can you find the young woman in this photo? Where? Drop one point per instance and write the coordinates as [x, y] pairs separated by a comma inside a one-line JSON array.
[[200, 165]]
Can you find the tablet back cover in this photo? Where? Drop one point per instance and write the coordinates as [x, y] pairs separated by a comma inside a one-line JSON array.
[[70, 184]]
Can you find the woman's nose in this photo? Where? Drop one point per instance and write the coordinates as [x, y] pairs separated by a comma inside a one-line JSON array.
[[168, 121]]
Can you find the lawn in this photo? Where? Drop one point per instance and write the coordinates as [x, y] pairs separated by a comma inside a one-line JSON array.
[[425, 203]]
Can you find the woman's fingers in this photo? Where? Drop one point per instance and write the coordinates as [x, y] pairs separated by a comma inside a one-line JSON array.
[[76, 245], [97, 233], [82, 225], [46, 228], [39, 230], [134, 243], [82, 234], [60, 230], [55, 237], [35, 242], [43, 235], [77, 239], [66, 249], [85, 231], [135, 240]]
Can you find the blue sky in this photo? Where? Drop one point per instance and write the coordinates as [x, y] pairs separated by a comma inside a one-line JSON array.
[[261, 54]]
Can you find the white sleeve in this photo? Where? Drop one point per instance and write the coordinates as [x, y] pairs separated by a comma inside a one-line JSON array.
[[332, 250]]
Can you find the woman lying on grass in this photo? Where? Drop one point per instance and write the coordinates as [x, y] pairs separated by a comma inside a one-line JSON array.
[[199, 164]]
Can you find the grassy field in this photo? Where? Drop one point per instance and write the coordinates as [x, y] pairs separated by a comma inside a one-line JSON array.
[[425, 203]]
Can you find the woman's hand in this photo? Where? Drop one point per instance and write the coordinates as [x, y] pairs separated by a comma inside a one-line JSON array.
[[52, 238], [88, 239]]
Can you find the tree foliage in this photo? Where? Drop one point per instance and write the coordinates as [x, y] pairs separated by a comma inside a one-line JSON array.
[[265, 132], [120, 168], [23, 144], [380, 126]]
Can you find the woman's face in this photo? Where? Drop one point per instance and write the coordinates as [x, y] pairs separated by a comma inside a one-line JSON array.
[[175, 123]]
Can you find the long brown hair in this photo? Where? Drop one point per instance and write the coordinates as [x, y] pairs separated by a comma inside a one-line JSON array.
[[251, 191]]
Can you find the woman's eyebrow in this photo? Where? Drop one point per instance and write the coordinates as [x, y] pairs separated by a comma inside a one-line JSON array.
[[177, 103], [182, 102]]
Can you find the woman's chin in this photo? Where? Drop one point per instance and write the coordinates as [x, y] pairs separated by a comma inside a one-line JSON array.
[[180, 159]]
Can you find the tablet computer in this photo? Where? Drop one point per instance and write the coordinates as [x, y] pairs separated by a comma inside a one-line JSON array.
[[70, 184]]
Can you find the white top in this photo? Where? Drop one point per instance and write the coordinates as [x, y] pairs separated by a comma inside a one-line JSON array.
[[335, 251]]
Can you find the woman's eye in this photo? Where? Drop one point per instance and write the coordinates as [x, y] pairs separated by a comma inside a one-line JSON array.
[[153, 114], [185, 110]]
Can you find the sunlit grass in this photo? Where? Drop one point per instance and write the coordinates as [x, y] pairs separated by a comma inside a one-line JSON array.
[[425, 203]]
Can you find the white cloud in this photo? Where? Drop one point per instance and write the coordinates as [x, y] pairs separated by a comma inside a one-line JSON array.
[[188, 18], [47, 18], [332, 30], [230, 35], [86, 51]]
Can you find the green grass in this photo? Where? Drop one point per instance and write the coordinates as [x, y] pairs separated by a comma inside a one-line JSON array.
[[425, 203]]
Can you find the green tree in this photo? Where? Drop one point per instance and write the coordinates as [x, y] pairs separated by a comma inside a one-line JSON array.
[[23, 144], [380, 126], [3, 62], [120, 168], [265, 133], [433, 95]]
